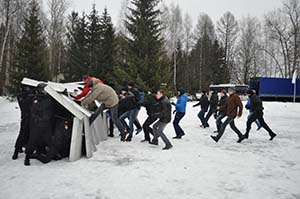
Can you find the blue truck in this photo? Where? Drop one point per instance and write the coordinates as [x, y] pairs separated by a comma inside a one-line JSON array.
[[275, 89]]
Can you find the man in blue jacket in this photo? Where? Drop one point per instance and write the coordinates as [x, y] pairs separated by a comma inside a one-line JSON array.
[[180, 112]]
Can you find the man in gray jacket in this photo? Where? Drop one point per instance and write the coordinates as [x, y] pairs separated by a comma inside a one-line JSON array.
[[109, 99]]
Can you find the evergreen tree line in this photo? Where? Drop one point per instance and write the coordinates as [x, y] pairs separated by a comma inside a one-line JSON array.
[[153, 45]]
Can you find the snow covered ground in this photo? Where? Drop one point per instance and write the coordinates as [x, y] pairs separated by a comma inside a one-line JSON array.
[[195, 168]]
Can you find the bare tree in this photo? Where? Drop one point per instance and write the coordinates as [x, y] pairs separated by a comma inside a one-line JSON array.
[[284, 27], [227, 31], [12, 13], [56, 32], [248, 47]]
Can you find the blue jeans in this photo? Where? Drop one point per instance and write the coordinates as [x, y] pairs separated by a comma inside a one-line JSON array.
[[131, 115], [201, 117], [219, 121]]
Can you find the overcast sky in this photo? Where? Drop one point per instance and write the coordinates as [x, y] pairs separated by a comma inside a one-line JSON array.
[[214, 8]]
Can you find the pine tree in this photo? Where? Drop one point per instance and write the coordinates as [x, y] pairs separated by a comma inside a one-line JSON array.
[[77, 53], [31, 59], [145, 43], [107, 45], [94, 42]]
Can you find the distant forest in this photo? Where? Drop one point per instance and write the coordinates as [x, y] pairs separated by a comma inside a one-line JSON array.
[[152, 44]]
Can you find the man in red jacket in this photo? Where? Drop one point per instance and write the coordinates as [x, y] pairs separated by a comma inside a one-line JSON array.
[[86, 89]]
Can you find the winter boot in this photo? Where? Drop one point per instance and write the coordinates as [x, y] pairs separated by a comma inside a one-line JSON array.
[[27, 160], [15, 155]]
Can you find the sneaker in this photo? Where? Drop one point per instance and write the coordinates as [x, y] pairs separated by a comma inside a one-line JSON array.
[[123, 135], [272, 136], [167, 147], [214, 138]]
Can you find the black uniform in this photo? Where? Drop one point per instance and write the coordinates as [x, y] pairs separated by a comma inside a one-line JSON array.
[[257, 108], [41, 122], [24, 100]]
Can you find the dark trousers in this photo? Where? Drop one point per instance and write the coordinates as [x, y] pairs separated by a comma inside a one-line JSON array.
[[23, 136], [208, 115], [115, 118], [136, 121], [146, 126], [219, 121], [262, 122], [178, 130], [158, 129], [230, 121], [201, 117]]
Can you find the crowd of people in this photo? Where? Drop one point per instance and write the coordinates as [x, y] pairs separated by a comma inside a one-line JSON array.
[[123, 106], [225, 107]]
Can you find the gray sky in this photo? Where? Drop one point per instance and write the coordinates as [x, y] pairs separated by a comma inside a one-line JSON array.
[[214, 8]]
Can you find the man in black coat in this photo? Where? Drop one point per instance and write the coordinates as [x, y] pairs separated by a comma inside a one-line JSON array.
[[204, 103], [152, 107], [164, 118], [257, 108], [213, 102]]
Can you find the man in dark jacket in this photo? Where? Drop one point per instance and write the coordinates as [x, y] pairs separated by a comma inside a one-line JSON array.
[[133, 90], [180, 112], [152, 107], [221, 108], [24, 100], [213, 102], [234, 108], [204, 103], [127, 109], [257, 108], [165, 116]]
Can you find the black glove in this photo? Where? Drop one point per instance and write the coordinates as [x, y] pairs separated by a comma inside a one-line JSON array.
[[173, 103], [194, 105], [174, 111], [247, 107]]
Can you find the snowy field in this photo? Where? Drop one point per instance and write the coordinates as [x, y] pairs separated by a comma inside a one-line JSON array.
[[196, 168]]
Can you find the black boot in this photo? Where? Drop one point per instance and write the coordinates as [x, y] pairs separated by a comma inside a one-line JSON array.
[[214, 138], [27, 160], [167, 147], [246, 136], [241, 138], [154, 142], [123, 135], [177, 137], [272, 136], [15, 155], [111, 135]]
